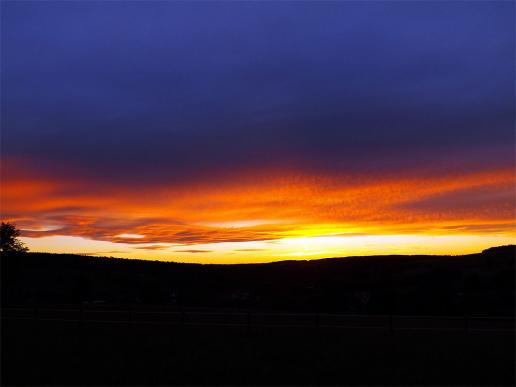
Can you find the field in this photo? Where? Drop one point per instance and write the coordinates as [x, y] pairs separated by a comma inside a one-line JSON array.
[[42, 352]]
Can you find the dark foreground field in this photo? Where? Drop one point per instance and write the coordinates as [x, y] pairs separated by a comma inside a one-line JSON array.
[[61, 353]]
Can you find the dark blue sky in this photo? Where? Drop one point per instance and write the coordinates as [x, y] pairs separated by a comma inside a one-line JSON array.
[[176, 90]]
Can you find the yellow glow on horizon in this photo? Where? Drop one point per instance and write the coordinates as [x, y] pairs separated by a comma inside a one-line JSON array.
[[277, 250]]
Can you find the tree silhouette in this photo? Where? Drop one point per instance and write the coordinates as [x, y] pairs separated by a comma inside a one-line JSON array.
[[9, 241]]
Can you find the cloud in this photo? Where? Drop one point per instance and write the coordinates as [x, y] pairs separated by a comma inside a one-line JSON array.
[[152, 247], [480, 228], [295, 205], [493, 200], [258, 86], [193, 251]]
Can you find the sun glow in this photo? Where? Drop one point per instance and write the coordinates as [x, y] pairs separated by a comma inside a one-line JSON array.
[[275, 250]]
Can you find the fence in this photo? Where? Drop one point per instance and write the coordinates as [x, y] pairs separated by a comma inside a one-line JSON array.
[[254, 319]]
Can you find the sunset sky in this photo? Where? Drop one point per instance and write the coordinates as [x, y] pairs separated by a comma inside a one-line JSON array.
[[258, 131]]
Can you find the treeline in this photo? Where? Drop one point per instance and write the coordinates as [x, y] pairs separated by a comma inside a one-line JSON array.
[[475, 284]]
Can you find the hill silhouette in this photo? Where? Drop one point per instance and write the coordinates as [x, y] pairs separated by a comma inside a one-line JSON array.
[[473, 284]]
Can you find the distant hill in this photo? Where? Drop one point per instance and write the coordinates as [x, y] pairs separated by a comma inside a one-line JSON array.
[[475, 284]]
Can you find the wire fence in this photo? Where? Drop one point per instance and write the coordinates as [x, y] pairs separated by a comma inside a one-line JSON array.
[[253, 319]]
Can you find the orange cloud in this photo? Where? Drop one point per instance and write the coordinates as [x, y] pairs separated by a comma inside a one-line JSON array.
[[259, 206]]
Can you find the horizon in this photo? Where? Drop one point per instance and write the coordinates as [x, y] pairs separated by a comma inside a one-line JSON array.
[[258, 132], [271, 262]]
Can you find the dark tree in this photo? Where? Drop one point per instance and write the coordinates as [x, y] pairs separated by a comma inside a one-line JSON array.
[[9, 241]]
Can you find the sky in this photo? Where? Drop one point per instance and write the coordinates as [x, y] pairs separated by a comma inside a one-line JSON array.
[[229, 132]]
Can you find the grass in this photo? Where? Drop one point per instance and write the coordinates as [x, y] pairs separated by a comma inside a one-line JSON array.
[[50, 353]]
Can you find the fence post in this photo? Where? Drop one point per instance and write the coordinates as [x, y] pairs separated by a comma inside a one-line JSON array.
[[248, 322]]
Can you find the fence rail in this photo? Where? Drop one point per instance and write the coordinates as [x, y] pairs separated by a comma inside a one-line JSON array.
[[255, 319]]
